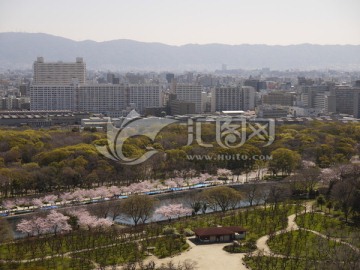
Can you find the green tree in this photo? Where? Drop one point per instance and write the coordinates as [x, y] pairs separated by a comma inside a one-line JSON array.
[[139, 208], [320, 200], [284, 161], [222, 197]]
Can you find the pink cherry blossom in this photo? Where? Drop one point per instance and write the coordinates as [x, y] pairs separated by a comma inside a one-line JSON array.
[[51, 199], [57, 222], [9, 204], [173, 210], [37, 202], [103, 192], [67, 196], [25, 226], [224, 172], [170, 183], [114, 190], [23, 202], [87, 221]]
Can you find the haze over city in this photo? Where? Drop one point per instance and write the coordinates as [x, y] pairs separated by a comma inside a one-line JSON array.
[[278, 22]]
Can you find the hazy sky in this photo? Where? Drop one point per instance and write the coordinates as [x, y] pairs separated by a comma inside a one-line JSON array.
[[189, 21]]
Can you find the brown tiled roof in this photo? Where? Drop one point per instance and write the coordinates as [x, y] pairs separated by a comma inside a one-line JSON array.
[[218, 231]]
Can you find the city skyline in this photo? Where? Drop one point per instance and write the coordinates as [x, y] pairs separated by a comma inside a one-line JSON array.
[[232, 22]]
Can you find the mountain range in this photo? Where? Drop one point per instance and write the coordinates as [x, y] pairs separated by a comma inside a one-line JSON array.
[[20, 50]]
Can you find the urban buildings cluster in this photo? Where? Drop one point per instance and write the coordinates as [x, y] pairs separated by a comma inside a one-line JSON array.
[[69, 87]]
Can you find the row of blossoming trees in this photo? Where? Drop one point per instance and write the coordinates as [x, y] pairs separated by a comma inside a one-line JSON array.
[[103, 192], [56, 222]]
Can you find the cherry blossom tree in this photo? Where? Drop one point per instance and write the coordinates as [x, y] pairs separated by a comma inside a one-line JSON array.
[[54, 222], [180, 182], [103, 192], [65, 197], [22, 202], [170, 183], [37, 202], [224, 173], [87, 221], [173, 211], [25, 226], [114, 190], [8, 204], [57, 222], [51, 199], [78, 195]]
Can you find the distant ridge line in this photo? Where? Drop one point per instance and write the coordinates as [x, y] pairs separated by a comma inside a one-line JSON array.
[[19, 50]]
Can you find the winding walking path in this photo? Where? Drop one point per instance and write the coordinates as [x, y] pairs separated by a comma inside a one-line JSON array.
[[264, 249]]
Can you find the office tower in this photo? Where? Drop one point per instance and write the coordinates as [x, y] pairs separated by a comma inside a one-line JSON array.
[[190, 93], [52, 97], [357, 104], [345, 98], [315, 96], [248, 97], [234, 98], [24, 89], [278, 98], [170, 77], [110, 77], [59, 73]]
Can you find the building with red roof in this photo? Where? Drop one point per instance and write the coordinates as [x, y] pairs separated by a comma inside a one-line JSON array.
[[220, 234]]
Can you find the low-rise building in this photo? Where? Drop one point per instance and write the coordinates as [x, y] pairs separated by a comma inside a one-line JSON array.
[[220, 234]]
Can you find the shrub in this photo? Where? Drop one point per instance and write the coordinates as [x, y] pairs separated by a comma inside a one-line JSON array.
[[169, 230], [188, 232]]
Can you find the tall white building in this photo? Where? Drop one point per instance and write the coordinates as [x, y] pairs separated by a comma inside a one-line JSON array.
[[59, 73], [190, 93], [100, 98], [52, 97], [142, 96], [234, 98], [61, 86]]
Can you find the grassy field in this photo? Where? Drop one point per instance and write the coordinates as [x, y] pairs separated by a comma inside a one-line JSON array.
[[330, 226]]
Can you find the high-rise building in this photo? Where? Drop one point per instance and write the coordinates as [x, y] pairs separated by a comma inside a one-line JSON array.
[[101, 98], [143, 96], [52, 97], [315, 96], [357, 104], [190, 93], [345, 98], [170, 77], [59, 73], [278, 98], [234, 98]]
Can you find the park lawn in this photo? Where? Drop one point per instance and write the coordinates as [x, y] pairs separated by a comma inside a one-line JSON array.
[[39, 247], [304, 244], [118, 254], [274, 263], [166, 246], [258, 221], [54, 264], [330, 226]]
